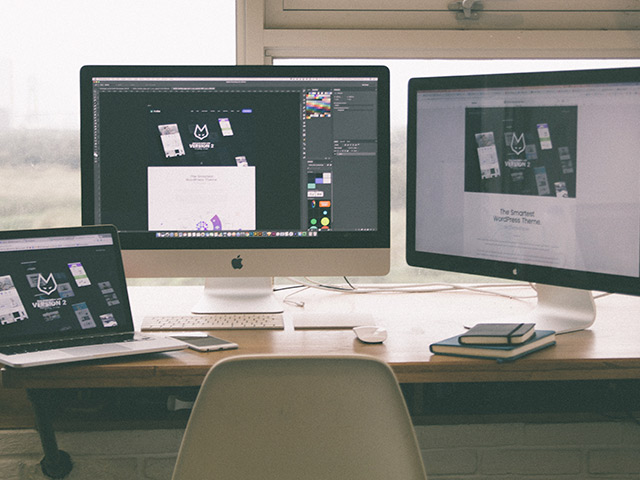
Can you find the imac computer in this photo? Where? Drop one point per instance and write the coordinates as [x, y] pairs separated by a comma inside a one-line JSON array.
[[238, 174], [532, 177]]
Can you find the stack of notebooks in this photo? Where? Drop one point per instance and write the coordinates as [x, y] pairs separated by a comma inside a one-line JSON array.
[[498, 341]]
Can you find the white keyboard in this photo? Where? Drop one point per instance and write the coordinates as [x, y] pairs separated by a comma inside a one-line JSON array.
[[218, 321]]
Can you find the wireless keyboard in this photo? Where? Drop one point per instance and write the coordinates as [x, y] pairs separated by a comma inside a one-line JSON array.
[[218, 321]]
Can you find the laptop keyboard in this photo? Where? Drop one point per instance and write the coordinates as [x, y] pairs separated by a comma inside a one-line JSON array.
[[66, 343], [223, 321]]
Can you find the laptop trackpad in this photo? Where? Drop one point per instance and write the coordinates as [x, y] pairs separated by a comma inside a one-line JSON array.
[[95, 350]]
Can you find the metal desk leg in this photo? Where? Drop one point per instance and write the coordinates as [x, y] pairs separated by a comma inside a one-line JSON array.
[[56, 463]]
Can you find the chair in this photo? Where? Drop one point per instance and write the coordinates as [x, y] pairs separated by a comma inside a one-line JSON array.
[[303, 418]]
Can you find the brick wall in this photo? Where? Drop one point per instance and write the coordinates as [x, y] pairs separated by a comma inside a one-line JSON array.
[[509, 451], [523, 451]]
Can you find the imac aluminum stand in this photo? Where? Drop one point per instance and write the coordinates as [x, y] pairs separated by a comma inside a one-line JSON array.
[[563, 309], [238, 295]]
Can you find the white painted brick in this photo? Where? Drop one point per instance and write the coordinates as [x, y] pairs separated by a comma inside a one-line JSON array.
[[614, 461], [122, 442], [534, 476], [525, 461], [90, 468], [630, 433], [450, 461], [573, 434], [19, 442], [159, 468], [10, 469], [479, 435], [511, 451]]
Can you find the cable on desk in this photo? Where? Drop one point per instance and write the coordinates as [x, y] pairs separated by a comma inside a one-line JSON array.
[[311, 284], [413, 288], [484, 289]]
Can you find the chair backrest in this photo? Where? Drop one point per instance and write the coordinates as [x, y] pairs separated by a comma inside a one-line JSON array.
[[302, 418]]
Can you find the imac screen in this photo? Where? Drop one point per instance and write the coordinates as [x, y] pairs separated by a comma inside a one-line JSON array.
[[528, 176], [239, 171]]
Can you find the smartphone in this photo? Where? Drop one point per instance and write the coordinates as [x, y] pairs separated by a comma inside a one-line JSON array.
[[206, 343]]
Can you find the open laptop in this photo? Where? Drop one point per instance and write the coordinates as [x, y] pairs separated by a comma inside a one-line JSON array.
[[63, 298]]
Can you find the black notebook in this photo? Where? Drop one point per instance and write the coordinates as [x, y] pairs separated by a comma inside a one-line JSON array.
[[498, 333]]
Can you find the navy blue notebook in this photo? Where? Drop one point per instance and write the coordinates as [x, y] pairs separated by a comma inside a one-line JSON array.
[[452, 346]]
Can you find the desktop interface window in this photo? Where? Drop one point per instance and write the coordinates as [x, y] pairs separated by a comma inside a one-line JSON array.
[[235, 157]]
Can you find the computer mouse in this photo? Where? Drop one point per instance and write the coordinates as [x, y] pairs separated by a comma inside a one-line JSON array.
[[371, 334]]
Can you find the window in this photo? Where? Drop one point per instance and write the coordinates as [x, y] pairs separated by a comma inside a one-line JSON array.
[[44, 45], [269, 29], [428, 37], [401, 71]]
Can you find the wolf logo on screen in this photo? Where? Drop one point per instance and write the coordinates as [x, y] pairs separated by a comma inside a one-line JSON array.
[[47, 285], [201, 132], [518, 144]]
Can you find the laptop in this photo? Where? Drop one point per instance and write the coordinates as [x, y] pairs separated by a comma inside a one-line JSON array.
[[63, 298]]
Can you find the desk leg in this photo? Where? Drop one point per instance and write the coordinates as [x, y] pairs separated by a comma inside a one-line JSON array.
[[56, 463]]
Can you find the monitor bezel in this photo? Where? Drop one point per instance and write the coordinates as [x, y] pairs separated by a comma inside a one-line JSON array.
[[494, 268], [379, 239]]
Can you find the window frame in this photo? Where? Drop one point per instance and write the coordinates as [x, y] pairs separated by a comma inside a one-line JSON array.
[[260, 39]]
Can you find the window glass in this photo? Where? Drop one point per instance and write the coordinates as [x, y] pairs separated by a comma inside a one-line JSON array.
[[401, 71], [44, 44]]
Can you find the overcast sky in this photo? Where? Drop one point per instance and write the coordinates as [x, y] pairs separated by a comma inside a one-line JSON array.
[[43, 44]]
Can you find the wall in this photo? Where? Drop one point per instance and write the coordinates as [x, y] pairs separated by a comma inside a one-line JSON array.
[[507, 451]]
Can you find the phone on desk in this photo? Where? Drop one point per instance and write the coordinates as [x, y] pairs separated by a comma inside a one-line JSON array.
[[206, 343]]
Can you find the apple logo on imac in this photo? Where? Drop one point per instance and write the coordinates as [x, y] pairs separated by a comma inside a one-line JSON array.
[[236, 263]]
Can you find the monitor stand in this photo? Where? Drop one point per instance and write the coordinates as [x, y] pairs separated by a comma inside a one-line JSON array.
[[238, 295], [563, 309]]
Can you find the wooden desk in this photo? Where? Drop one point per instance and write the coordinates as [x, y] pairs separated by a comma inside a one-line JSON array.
[[610, 350]]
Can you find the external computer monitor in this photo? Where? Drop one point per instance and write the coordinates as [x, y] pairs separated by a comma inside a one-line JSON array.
[[239, 173], [529, 176]]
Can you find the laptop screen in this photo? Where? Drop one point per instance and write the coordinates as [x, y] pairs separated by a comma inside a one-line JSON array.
[[61, 282]]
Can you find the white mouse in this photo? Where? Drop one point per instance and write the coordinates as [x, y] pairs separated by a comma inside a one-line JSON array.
[[371, 334]]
